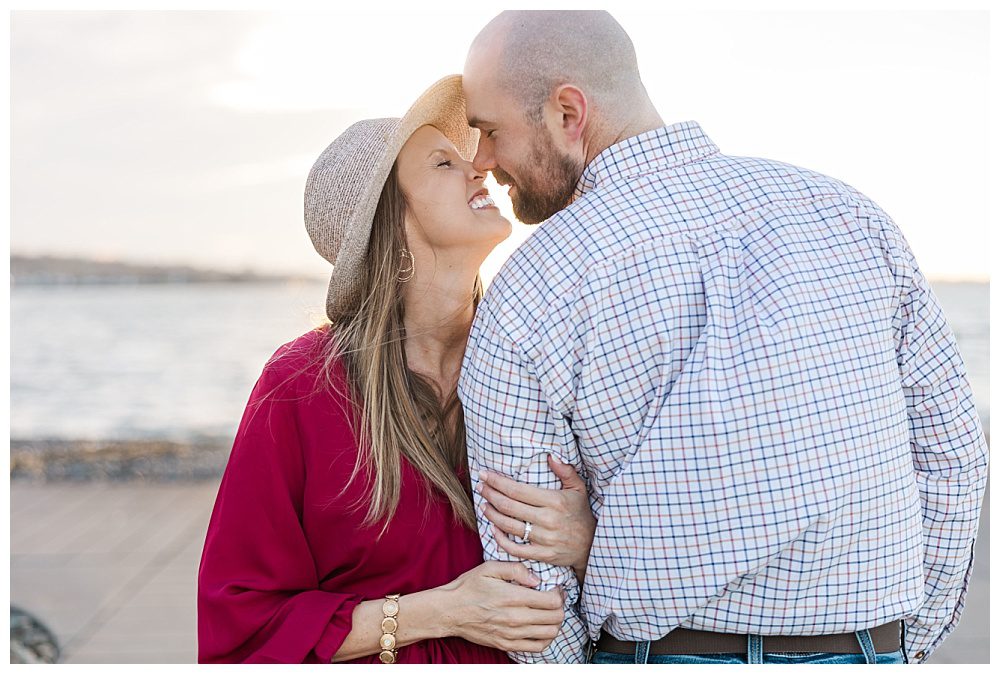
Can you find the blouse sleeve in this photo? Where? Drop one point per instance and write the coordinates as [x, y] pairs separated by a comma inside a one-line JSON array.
[[258, 590]]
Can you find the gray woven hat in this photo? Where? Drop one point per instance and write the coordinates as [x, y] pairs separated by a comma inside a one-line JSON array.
[[344, 185]]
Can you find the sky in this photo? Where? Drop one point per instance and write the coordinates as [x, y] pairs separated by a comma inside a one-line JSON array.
[[186, 137]]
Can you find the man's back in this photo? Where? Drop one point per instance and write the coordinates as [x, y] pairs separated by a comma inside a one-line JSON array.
[[745, 361]]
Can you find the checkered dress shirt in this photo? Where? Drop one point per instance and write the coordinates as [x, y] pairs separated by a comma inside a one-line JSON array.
[[746, 364]]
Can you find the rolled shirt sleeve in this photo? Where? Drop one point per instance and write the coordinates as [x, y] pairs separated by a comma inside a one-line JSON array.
[[511, 428], [950, 454]]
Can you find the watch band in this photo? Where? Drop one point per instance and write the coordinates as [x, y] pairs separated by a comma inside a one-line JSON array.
[[390, 623]]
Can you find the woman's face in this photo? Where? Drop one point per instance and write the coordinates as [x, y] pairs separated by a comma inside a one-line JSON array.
[[449, 209]]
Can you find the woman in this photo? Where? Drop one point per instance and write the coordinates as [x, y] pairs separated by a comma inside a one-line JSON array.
[[344, 527]]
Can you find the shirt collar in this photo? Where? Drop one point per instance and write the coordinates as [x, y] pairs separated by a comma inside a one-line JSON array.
[[659, 149]]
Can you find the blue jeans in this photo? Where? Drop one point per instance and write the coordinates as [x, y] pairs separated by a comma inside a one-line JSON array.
[[755, 654]]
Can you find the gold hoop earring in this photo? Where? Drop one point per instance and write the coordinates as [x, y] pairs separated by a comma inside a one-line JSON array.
[[406, 267]]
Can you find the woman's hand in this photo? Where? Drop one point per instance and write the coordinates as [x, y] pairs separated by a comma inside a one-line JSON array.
[[562, 525], [482, 606]]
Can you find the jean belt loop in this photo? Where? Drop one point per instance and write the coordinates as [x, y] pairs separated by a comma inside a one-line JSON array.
[[867, 647], [755, 649], [642, 652]]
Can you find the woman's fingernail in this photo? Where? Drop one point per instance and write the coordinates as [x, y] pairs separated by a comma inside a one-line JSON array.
[[534, 579]]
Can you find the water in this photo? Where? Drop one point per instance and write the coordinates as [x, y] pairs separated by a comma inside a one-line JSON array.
[[178, 361], [146, 361]]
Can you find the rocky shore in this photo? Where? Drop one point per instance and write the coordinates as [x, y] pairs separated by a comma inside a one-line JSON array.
[[122, 460], [118, 460]]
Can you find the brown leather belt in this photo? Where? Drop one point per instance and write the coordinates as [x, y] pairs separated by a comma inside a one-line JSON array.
[[885, 638]]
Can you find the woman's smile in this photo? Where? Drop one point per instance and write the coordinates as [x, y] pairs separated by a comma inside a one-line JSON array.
[[481, 200]]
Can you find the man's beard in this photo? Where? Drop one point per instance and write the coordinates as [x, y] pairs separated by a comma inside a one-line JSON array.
[[551, 184]]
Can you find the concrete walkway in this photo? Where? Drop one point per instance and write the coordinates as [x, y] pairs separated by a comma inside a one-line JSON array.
[[112, 570]]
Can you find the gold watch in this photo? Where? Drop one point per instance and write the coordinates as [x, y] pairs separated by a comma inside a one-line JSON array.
[[387, 642]]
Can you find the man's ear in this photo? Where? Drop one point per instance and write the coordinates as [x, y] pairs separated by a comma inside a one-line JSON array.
[[571, 103]]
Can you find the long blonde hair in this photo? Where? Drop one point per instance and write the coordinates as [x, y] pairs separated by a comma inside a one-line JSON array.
[[399, 412]]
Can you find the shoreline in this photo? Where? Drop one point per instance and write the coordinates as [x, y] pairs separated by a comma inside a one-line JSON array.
[[54, 460], [60, 460]]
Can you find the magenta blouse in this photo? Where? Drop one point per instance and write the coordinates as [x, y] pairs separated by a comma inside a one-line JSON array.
[[286, 559]]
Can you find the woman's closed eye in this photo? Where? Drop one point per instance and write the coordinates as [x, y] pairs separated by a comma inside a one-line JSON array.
[[446, 162]]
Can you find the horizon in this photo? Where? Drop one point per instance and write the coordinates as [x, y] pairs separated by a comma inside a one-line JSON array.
[[322, 276]]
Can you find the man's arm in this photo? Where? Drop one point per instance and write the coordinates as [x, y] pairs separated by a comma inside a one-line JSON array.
[[510, 428], [950, 454]]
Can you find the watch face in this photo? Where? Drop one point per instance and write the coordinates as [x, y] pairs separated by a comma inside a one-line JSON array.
[[389, 625], [390, 607], [388, 642], [387, 657]]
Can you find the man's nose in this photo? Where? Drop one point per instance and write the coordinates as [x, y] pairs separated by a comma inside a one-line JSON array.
[[483, 161]]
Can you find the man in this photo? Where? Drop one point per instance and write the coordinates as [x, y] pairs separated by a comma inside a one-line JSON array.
[[741, 356]]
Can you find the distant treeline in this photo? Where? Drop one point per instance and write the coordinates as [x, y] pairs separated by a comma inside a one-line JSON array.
[[51, 270]]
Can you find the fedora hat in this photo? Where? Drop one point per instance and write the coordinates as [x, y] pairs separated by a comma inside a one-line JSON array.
[[344, 185]]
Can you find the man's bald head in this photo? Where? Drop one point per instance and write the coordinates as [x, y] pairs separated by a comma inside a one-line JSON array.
[[530, 53], [549, 91]]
